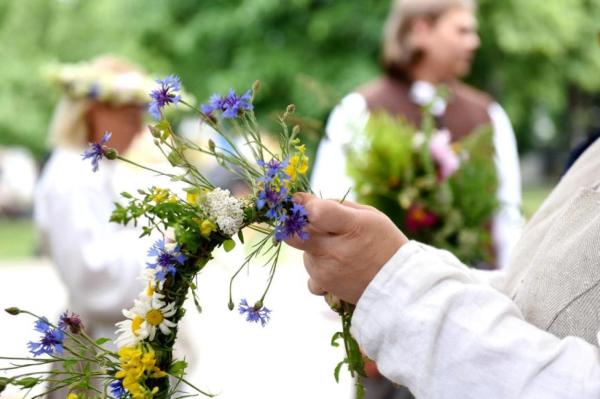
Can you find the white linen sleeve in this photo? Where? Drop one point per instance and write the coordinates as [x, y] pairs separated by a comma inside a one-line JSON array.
[[329, 177], [433, 327], [508, 221]]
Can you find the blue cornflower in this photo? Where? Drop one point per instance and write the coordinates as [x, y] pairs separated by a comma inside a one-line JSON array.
[[273, 198], [274, 168], [231, 105], [72, 322], [51, 342], [215, 103], [166, 260], [117, 390], [253, 314], [164, 95], [96, 151], [292, 223]]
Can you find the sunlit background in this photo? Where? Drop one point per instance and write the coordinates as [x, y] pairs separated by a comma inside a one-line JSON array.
[[539, 59]]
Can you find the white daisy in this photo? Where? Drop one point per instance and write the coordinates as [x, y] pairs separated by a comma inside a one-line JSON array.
[[148, 314]]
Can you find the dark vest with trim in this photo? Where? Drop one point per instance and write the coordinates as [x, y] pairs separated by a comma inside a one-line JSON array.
[[466, 110]]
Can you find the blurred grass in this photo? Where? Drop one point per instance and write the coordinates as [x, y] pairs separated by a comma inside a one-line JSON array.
[[17, 239], [533, 198]]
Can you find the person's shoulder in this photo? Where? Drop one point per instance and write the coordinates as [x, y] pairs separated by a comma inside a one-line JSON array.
[[472, 95], [379, 86]]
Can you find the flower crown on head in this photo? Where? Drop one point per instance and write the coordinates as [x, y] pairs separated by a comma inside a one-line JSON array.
[[86, 80]]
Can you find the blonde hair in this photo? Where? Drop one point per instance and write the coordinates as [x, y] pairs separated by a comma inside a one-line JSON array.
[[68, 127], [398, 53]]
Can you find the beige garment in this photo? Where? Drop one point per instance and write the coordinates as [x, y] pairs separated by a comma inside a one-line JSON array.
[[554, 272]]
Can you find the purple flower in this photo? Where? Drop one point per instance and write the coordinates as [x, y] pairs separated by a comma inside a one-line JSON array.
[[166, 260], [51, 342], [96, 151], [231, 105], [164, 95], [72, 322], [292, 223], [254, 314], [117, 390]]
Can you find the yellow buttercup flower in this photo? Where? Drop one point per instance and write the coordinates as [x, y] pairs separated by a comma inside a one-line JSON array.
[[206, 227], [193, 197], [159, 195], [72, 395], [137, 365], [298, 165]]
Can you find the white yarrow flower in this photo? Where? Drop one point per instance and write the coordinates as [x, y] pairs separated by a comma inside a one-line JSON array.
[[225, 210]]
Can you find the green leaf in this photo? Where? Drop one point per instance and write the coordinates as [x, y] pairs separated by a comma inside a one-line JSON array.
[[175, 159], [240, 236], [335, 337], [125, 194], [102, 341], [336, 372], [28, 382], [178, 368], [3, 383], [228, 245]]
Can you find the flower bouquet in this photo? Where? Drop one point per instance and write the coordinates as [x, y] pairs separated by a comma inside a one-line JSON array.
[[439, 192], [191, 227]]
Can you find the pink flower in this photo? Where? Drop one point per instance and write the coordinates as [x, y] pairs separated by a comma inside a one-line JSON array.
[[442, 153], [418, 217]]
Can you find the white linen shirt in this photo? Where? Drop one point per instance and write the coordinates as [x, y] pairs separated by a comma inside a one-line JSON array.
[[439, 328]]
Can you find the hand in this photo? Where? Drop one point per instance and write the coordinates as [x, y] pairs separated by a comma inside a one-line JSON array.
[[348, 245]]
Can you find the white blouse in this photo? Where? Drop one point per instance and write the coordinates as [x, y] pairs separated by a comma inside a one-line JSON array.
[[330, 178], [99, 261]]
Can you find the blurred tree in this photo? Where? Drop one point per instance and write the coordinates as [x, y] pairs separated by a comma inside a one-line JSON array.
[[540, 59]]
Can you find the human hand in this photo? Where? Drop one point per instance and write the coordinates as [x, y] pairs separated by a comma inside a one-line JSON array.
[[348, 245]]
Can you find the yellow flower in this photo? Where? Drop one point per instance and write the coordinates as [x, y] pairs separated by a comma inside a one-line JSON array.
[[206, 227], [193, 197], [159, 195], [138, 364], [298, 165], [72, 395]]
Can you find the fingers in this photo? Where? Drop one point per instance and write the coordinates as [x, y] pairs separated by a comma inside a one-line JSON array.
[[327, 215], [314, 288]]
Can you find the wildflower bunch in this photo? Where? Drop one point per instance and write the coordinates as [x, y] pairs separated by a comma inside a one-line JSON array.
[[191, 226]]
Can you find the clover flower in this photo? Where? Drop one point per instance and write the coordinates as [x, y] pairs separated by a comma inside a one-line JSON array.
[[166, 261], [253, 313], [441, 151], [51, 342], [166, 94], [72, 322], [230, 105], [96, 151]]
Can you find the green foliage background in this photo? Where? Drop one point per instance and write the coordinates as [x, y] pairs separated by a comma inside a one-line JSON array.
[[539, 58]]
